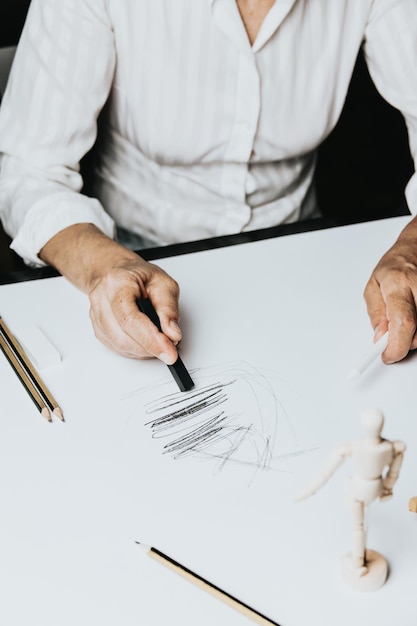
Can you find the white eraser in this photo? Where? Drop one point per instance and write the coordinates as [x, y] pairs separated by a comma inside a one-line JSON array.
[[37, 346]]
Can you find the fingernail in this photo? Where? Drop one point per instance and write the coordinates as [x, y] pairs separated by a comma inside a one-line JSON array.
[[378, 332], [166, 358]]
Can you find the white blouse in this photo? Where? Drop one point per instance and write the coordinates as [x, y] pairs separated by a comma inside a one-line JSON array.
[[203, 133]]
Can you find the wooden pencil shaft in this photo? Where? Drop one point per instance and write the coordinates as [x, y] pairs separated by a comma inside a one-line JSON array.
[[211, 588], [24, 379], [28, 366]]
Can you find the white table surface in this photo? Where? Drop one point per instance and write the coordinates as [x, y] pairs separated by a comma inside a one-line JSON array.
[[75, 496]]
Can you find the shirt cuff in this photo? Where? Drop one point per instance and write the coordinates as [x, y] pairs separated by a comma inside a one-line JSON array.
[[43, 222]]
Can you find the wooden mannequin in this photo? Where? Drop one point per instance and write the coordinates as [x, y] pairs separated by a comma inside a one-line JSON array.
[[376, 463]]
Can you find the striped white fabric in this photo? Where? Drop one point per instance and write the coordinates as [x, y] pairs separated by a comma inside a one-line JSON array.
[[205, 134]]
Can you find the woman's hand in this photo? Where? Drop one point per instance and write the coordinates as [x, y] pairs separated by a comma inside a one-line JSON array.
[[119, 324], [114, 279], [391, 296]]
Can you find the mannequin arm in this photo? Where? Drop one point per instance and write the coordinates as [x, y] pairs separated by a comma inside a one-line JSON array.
[[394, 469], [334, 462]]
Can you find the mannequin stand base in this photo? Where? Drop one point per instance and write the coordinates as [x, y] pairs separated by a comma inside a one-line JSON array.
[[372, 579]]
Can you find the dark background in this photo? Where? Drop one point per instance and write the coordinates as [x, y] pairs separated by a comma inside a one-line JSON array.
[[363, 165], [12, 16]]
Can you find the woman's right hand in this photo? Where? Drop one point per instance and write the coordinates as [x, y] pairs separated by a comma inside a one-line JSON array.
[[114, 279]]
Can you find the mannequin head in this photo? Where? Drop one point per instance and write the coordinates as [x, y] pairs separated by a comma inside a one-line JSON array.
[[372, 421]]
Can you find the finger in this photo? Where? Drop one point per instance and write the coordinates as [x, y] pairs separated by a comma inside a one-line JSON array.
[[401, 314], [107, 329], [164, 295], [144, 343], [376, 308]]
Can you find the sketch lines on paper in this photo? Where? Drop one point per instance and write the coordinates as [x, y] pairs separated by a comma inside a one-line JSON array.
[[232, 416]]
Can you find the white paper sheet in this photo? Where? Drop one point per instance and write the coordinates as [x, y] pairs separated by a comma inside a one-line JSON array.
[[271, 330]]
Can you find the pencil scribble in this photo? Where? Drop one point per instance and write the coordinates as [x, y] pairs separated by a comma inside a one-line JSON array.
[[232, 415]]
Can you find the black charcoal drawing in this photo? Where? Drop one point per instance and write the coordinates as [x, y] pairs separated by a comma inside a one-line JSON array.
[[232, 415]]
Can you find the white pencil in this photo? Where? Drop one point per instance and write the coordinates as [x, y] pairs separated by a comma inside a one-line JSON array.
[[368, 358]]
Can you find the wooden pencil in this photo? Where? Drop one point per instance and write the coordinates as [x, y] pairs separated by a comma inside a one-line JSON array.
[[24, 379], [30, 370], [206, 585]]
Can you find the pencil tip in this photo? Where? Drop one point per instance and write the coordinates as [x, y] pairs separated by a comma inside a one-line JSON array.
[[46, 414], [57, 411], [143, 546]]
